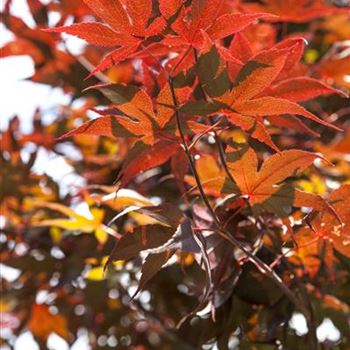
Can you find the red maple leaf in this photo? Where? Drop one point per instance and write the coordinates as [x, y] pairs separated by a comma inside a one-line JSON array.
[[262, 89], [127, 28], [295, 10]]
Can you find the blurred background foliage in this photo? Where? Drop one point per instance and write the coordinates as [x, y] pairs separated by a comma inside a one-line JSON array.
[[55, 239]]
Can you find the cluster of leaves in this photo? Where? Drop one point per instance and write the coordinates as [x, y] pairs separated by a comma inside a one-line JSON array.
[[212, 144]]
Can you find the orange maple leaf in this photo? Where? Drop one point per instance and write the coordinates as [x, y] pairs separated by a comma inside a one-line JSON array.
[[42, 323]]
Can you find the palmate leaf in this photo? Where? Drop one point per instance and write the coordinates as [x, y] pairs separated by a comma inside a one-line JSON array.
[[198, 26], [261, 72], [325, 240], [133, 109], [135, 117], [95, 33], [132, 114], [204, 16], [301, 89], [266, 75], [295, 10], [112, 12], [127, 28], [325, 227], [261, 187], [258, 185], [259, 92]]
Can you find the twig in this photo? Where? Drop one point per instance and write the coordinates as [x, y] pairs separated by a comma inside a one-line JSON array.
[[218, 142], [305, 300]]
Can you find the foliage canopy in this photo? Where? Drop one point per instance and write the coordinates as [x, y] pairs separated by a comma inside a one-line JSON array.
[[212, 139]]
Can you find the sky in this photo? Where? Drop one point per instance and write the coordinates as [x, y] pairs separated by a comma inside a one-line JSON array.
[[21, 98]]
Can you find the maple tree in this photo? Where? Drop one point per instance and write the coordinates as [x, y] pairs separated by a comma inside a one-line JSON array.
[[211, 143]]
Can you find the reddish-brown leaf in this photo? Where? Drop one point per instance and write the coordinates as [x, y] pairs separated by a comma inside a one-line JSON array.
[[291, 122], [94, 33], [169, 8], [144, 238], [259, 185], [114, 58], [134, 103], [255, 126], [111, 126], [258, 74], [151, 266], [302, 89], [150, 158], [326, 227], [265, 106], [297, 11], [111, 12], [231, 23], [139, 12]]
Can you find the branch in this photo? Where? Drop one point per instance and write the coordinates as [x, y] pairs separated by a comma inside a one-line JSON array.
[[188, 153], [263, 268]]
